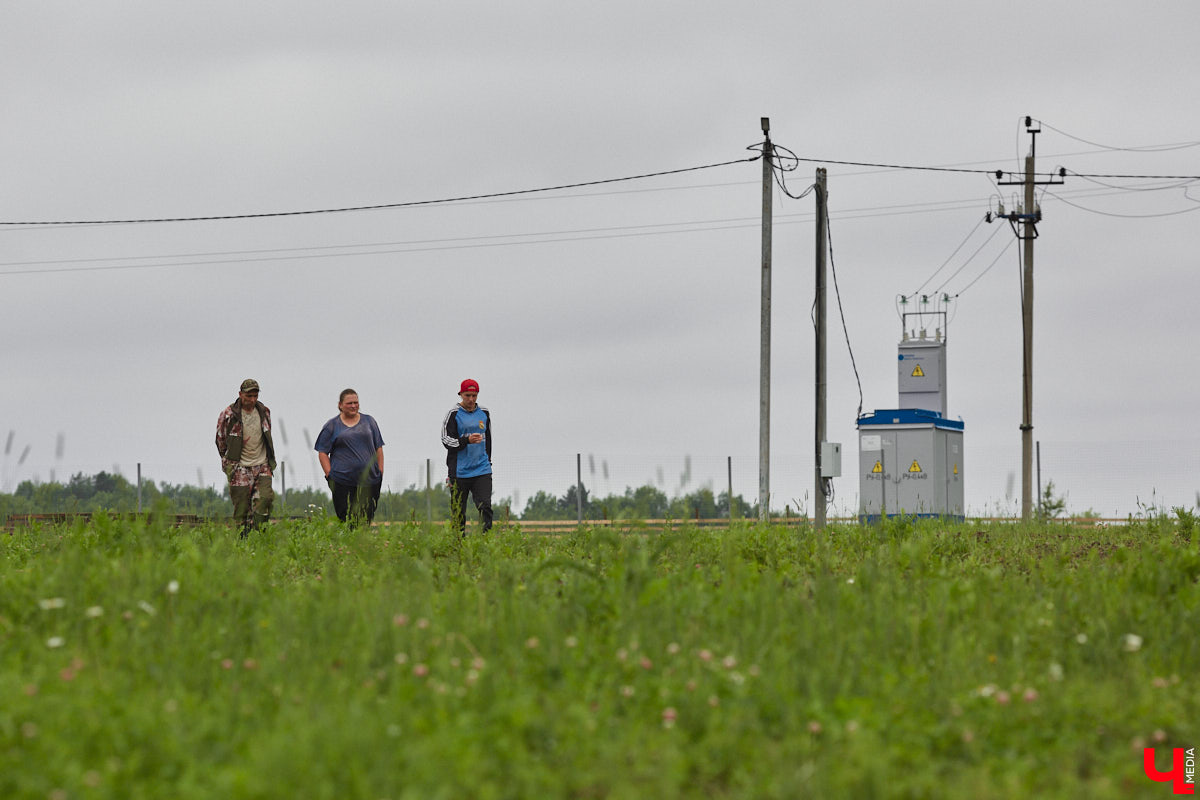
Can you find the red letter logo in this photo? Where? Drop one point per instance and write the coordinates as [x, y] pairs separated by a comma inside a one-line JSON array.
[[1178, 770]]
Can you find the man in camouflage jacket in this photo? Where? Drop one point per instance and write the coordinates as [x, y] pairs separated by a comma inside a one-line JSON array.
[[247, 456]]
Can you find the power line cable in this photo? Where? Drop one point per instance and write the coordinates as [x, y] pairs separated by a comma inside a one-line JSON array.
[[382, 206], [783, 161], [1148, 188], [838, 293], [431, 245], [390, 251], [777, 169], [1125, 216], [991, 172], [787, 162], [320, 251], [1004, 250], [50, 226], [1158, 148], [1122, 176], [969, 260], [951, 256]]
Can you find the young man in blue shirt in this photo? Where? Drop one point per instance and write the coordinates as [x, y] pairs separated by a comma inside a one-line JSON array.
[[467, 437]]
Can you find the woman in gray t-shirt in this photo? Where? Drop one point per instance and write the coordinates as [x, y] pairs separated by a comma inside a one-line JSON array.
[[350, 448]]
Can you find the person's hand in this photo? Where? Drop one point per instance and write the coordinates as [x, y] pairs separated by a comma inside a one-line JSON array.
[[475, 438]]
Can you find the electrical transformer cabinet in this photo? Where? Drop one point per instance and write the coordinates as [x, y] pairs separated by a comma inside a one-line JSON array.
[[910, 463], [921, 374]]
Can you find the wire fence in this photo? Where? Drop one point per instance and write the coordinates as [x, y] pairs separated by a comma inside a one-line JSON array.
[[1094, 478]]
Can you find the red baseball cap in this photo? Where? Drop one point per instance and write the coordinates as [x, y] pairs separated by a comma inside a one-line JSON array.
[[468, 384]]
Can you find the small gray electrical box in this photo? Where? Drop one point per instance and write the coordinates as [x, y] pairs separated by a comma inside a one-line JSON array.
[[831, 460]]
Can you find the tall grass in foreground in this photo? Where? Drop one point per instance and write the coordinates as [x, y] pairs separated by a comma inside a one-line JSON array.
[[315, 661]]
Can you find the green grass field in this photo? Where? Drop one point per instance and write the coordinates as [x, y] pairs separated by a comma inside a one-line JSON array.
[[315, 661]]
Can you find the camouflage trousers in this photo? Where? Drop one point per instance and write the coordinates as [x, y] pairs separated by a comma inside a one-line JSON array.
[[252, 495]]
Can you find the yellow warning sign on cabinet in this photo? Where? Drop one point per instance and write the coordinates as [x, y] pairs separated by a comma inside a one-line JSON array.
[[915, 467], [918, 373], [956, 469], [878, 467]]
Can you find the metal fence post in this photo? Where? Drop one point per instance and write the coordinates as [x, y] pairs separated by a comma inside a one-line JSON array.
[[579, 485], [428, 490], [139, 481], [729, 465]]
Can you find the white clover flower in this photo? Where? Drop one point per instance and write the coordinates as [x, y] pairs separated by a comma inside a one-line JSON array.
[[1131, 642], [55, 641], [51, 603], [1081, 638], [93, 612], [173, 587], [1056, 671], [149, 609]]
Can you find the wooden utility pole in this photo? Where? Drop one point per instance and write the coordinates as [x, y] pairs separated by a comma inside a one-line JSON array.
[[1028, 215], [764, 360], [819, 499]]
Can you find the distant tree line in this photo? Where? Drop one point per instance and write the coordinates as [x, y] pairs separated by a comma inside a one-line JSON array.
[[645, 502], [110, 492]]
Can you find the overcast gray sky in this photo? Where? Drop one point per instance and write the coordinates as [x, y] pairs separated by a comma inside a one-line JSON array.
[[618, 321]]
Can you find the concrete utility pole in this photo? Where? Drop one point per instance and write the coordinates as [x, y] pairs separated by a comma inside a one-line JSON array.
[[819, 500], [1028, 215], [764, 360], [1027, 338], [579, 485]]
